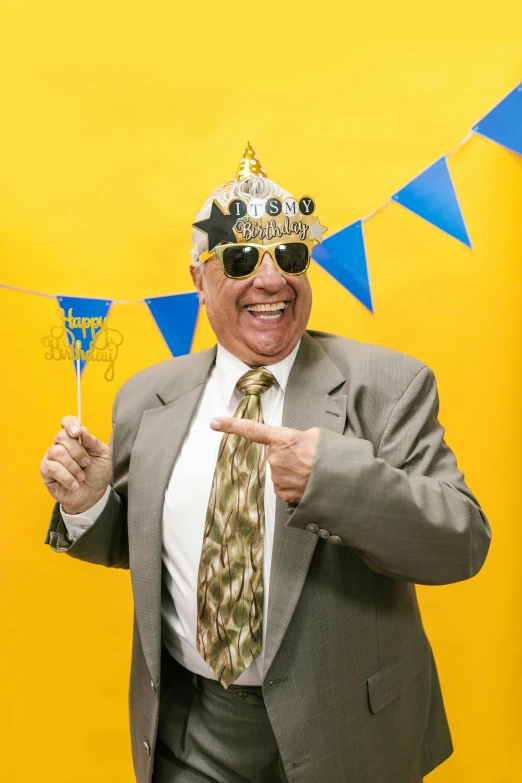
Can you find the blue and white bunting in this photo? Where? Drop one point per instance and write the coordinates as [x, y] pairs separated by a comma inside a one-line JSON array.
[[503, 124], [343, 256], [432, 197], [176, 317]]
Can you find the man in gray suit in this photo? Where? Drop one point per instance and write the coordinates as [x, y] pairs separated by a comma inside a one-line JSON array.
[[273, 552]]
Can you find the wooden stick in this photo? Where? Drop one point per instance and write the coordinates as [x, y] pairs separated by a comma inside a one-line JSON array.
[[78, 385]]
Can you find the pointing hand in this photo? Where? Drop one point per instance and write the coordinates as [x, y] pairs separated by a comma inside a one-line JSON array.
[[291, 453]]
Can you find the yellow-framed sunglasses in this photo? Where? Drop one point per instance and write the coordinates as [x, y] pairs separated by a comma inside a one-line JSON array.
[[243, 260]]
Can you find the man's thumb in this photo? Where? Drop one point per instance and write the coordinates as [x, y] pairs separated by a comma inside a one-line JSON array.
[[92, 445]]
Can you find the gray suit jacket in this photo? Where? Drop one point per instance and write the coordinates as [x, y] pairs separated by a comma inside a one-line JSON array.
[[351, 686]]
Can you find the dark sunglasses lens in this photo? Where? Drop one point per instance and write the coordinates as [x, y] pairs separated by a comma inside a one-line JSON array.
[[292, 258], [240, 261]]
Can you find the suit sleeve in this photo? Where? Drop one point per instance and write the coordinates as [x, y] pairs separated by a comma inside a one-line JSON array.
[[405, 507], [105, 542]]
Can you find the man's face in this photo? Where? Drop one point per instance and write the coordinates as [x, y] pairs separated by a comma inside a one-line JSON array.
[[254, 334]]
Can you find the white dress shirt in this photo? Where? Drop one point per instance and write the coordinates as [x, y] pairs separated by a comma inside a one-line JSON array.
[[185, 508]]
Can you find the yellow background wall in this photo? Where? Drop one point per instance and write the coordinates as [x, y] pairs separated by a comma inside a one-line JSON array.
[[117, 119]]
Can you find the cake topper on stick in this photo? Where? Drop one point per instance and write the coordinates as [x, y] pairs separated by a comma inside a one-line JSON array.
[[83, 339]]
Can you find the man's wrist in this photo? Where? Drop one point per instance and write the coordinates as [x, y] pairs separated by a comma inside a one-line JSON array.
[[85, 507]]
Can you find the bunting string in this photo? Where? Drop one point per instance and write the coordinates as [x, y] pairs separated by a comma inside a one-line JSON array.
[[53, 296], [431, 196], [175, 315]]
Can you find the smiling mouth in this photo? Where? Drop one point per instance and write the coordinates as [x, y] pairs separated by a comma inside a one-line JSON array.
[[267, 312]]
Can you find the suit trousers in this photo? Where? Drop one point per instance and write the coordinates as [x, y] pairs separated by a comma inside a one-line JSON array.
[[211, 734]]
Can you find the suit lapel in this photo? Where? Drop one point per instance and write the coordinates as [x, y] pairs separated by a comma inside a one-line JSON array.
[[160, 436], [308, 403]]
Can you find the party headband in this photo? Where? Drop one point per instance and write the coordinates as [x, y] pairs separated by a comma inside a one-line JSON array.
[[260, 221]]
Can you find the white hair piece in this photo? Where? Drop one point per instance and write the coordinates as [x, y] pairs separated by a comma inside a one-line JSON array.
[[247, 189]]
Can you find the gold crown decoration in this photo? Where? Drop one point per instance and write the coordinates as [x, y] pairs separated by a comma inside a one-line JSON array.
[[249, 164]]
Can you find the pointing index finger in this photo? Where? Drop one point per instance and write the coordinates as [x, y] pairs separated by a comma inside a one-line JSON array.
[[252, 430]]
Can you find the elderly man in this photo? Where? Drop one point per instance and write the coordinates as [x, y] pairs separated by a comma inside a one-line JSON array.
[[276, 499]]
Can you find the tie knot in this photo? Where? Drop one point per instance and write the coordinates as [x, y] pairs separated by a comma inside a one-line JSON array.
[[256, 381]]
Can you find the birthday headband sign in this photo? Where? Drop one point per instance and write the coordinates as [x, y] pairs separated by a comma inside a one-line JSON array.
[[260, 221]]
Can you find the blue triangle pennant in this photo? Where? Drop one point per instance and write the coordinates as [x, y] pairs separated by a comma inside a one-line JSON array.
[[343, 256], [432, 196], [82, 307], [503, 124], [176, 317]]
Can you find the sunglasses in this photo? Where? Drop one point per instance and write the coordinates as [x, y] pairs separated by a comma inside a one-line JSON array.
[[240, 261]]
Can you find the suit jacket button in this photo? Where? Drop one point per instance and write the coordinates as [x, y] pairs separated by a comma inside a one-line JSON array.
[[147, 748], [153, 686], [335, 540], [323, 533], [312, 528]]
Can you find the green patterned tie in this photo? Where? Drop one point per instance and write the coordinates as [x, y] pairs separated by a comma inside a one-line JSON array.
[[230, 580]]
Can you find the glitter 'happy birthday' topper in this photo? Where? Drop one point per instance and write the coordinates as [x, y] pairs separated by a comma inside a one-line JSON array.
[[103, 345]]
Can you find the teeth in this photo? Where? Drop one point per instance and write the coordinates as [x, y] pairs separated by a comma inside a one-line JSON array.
[[260, 308]]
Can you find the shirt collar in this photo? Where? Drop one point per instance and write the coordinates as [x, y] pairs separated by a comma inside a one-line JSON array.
[[229, 370]]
